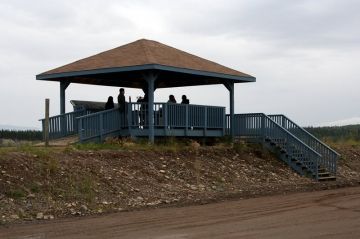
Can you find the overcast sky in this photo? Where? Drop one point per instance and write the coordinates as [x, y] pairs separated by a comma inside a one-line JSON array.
[[304, 54]]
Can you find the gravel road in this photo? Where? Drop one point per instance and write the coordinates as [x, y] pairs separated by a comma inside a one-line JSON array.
[[322, 214]]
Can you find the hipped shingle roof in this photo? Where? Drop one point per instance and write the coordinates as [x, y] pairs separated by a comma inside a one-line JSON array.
[[145, 52]]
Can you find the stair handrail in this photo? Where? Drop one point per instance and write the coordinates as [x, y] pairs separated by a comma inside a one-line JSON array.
[[329, 156], [285, 130], [293, 136], [288, 134], [306, 132]]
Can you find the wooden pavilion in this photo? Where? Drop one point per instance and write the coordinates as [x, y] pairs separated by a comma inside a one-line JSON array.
[[150, 65], [147, 65]]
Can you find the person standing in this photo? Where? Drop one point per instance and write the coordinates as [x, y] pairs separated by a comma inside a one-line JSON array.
[[185, 100], [110, 103], [122, 106], [121, 100], [172, 99]]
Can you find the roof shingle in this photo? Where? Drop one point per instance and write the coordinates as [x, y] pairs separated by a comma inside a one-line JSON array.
[[145, 52]]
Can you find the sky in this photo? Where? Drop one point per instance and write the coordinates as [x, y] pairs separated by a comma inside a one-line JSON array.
[[304, 54]]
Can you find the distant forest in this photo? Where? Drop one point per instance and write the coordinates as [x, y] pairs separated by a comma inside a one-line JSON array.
[[21, 134], [336, 133]]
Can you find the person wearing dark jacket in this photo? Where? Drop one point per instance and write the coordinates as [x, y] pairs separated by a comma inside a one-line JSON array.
[[122, 107], [110, 103], [121, 100], [172, 99], [185, 100]]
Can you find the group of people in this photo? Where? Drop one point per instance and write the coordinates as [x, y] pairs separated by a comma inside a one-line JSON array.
[[122, 102], [184, 99]]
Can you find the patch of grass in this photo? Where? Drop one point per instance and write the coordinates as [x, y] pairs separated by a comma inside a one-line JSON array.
[[34, 187], [343, 142], [5, 150], [41, 152], [15, 193], [240, 147], [165, 144], [97, 146], [52, 166], [83, 188]]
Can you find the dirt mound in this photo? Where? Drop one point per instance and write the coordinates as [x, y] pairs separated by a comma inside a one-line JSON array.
[[39, 183]]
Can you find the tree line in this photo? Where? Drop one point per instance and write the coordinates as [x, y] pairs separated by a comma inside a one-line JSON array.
[[336, 133], [21, 134]]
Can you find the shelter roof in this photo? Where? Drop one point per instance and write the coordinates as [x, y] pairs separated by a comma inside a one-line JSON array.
[[124, 66]]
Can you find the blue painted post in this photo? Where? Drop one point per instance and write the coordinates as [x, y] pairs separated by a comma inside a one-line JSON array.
[[230, 87], [205, 121], [80, 130], [263, 127], [129, 118], [224, 122], [63, 86], [186, 119], [150, 79], [166, 118], [101, 127]]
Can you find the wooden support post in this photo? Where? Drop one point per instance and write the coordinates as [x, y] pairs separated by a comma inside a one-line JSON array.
[[230, 87], [101, 127], [166, 127], [46, 128], [63, 86], [130, 119], [186, 119], [150, 79], [205, 122]]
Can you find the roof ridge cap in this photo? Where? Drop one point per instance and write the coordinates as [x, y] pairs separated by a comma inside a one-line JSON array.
[[147, 52]]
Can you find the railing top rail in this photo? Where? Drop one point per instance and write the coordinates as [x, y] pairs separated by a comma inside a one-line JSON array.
[[97, 113], [69, 113], [309, 134], [178, 104], [293, 136]]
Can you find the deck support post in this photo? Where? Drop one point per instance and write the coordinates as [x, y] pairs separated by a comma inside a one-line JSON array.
[[63, 86], [230, 87], [150, 79]]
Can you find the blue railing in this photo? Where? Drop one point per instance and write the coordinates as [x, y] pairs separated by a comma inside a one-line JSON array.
[[63, 125], [167, 118], [328, 158], [261, 126], [101, 124]]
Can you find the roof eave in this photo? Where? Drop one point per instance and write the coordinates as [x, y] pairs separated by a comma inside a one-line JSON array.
[[56, 76]]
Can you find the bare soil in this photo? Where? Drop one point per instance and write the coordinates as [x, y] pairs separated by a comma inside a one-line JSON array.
[[322, 214]]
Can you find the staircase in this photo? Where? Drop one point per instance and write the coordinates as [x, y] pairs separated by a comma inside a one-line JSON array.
[[304, 153]]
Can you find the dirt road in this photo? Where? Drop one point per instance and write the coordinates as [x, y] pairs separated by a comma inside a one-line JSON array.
[[323, 214]]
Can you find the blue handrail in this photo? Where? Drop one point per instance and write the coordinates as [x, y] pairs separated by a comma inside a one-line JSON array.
[[64, 124], [259, 125], [329, 156]]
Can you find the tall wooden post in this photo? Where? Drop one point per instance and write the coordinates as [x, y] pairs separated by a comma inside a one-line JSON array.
[[63, 86], [150, 79], [230, 87], [46, 127]]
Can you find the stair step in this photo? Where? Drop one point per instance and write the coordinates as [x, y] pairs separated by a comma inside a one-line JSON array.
[[328, 178]]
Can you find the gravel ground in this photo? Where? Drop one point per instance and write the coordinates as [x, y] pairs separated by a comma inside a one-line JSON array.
[[45, 184]]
